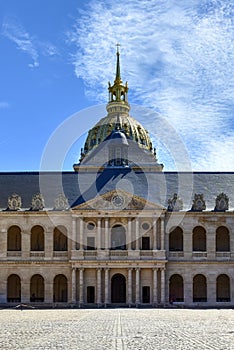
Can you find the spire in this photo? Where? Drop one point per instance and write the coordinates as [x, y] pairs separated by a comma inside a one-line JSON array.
[[118, 76], [118, 92]]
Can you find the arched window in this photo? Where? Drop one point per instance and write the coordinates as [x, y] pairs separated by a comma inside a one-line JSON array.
[[176, 240], [60, 289], [14, 238], [14, 289], [222, 288], [118, 237], [37, 288], [199, 289], [222, 239], [176, 288], [199, 239], [60, 238], [37, 238]]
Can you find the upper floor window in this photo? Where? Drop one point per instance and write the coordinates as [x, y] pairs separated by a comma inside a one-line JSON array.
[[199, 239], [176, 240], [60, 238], [222, 239], [14, 238]]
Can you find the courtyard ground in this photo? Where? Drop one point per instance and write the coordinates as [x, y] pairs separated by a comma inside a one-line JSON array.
[[135, 329]]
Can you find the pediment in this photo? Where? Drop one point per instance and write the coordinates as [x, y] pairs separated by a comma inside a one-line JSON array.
[[118, 200]]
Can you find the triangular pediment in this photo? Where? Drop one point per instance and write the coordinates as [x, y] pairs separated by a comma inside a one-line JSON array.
[[118, 200]]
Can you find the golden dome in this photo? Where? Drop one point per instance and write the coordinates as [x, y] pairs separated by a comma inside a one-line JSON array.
[[130, 126]]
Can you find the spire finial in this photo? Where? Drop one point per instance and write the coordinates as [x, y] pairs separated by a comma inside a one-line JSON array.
[[118, 77]]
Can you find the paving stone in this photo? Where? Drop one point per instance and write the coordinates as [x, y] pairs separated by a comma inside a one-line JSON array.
[[109, 329]]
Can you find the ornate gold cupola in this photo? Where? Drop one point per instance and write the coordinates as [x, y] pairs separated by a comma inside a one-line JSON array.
[[118, 93]]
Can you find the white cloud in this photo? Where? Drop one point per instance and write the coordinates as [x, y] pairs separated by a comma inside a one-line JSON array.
[[178, 59], [14, 31], [4, 104]]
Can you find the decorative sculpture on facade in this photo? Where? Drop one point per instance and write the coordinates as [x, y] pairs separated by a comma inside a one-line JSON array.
[[37, 202], [14, 202], [175, 203], [198, 203], [221, 202], [61, 202]]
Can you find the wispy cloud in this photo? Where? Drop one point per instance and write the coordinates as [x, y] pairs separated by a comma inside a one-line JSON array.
[[29, 44], [14, 31], [4, 104], [178, 59]]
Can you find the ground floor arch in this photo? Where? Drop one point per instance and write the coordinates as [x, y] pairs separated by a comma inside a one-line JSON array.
[[223, 288], [199, 288], [176, 288], [60, 289], [14, 289], [118, 288], [37, 288]]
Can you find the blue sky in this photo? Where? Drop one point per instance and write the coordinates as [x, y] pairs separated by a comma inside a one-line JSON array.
[[58, 55]]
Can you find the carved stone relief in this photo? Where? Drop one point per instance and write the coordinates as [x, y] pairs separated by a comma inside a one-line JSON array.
[[221, 202], [198, 203], [14, 202], [175, 203], [37, 202], [61, 202]]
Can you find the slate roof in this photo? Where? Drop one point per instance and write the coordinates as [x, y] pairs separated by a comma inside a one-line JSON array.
[[80, 187]]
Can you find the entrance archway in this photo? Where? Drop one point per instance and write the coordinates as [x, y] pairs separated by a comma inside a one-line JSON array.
[[118, 289]]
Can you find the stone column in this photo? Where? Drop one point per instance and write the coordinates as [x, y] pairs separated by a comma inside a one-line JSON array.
[[154, 234], [137, 286], [106, 286], [73, 285], [162, 286], [155, 287], [81, 233], [162, 234], [188, 289], [3, 243], [98, 243], [211, 242], [107, 233], [49, 243], [129, 240], [25, 244], [137, 233], [129, 287], [25, 291], [99, 300], [211, 290], [49, 291], [74, 236], [81, 298]]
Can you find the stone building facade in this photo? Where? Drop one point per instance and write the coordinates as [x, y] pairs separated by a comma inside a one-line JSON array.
[[112, 245]]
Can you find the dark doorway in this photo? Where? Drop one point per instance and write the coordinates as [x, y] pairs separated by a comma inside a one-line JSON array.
[[145, 243], [118, 289], [146, 294], [90, 294]]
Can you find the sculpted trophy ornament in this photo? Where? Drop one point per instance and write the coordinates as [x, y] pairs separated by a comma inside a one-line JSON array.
[[175, 203], [37, 202], [198, 203], [221, 202], [14, 202], [61, 202]]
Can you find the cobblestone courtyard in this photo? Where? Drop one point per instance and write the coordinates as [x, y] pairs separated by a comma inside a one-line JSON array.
[[117, 329]]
